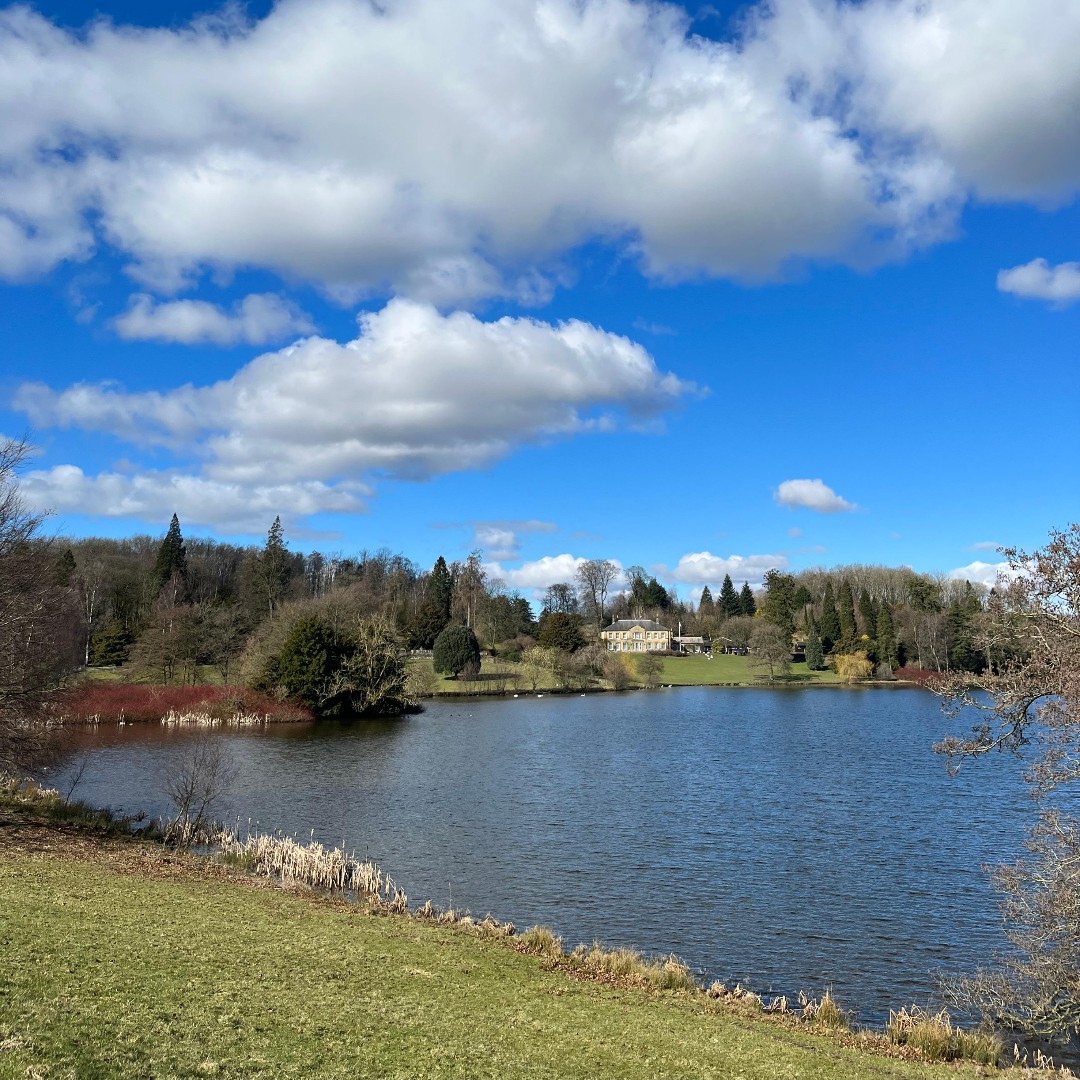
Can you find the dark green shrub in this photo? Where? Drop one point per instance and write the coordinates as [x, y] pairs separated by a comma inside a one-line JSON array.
[[456, 648]]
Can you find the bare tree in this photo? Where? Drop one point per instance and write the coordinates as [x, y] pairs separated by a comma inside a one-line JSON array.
[[770, 650], [37, 622], [197, 775], [595, 577], [1029, 699]]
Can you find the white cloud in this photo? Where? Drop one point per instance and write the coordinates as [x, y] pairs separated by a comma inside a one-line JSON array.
[[500, 540], [980, 573], [154, 496], [416, 395], [1038, 280], [813, 495], [704, 568], [256, 320], [829, 130], [984, 545], [539, 574]]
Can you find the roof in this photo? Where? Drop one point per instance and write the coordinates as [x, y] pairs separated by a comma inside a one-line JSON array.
[[629, 624]]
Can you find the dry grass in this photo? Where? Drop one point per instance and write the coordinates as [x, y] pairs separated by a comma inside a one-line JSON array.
[[668, 973], [824, 1012], [935, 1036], [317, 867], [541, 941]]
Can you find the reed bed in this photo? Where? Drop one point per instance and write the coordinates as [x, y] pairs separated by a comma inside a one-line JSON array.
[[938, 1039], [325, 869], [173, 718]]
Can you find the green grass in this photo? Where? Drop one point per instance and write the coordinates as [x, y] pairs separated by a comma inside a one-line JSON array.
[[722, 670], [112, 974]]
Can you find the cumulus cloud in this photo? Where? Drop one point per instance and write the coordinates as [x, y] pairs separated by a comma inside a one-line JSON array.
[[825, 131], [813, 495], [539, 574], [501, 540], [417, 394], [981, 573], [704, 568], [154, 496], [256, 320], [1038, 280]]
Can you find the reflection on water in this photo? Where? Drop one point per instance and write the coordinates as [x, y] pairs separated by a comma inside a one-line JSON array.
[[793, 840]]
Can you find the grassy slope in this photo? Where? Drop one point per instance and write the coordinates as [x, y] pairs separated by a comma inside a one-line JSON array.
[[112, 969]]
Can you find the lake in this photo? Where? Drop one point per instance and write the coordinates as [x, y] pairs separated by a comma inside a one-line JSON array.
[[793, 840]]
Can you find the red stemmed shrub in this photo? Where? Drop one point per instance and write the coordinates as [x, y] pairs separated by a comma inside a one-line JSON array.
[[143, 702]]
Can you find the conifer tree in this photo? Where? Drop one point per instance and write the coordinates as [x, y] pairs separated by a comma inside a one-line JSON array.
[[441, 589], [706, 608], [868, 611], [729, 599], [885, 632], [171, 556], [274, 568], [849, 630], [830, 620], [815, 657], [747, 604]]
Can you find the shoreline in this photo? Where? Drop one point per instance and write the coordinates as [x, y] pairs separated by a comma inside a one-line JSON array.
[[612, 969]]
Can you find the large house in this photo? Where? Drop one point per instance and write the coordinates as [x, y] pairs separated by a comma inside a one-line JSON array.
[[636, 635]]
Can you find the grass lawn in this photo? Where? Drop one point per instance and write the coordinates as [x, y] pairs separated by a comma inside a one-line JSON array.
[[501, 676], [724, 668], [120, 960]]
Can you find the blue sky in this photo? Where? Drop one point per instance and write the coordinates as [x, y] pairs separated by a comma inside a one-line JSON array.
[[707, 289]]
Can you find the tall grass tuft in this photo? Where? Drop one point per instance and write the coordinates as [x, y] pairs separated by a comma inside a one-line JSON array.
[[311, 864], [935, 1037], [824, 1012], [541, 941], [667, 973]]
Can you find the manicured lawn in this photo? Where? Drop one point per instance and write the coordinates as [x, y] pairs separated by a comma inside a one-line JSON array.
[[724, 668], [132, 965], [503, 676]]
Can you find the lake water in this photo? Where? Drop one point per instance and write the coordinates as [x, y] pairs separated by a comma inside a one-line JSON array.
[[790, 839]]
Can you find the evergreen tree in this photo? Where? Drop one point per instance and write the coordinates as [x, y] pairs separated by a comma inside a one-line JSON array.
[[747, 603], [815, 657], [441, 589], [456, 649], [274, 566], [868, 611], [849, 628], [729, 599], [885, 632], [706, 607], [65, 568], [171, 557], [830, 620], [779, 605]]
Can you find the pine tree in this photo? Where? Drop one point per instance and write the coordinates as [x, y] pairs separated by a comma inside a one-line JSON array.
[[441, 588], [729, 599], [885, 632], [171, 556], [747, 604], [274, 568], [868, 611], [849, 630], [706, 608], [830, 620], [815, 657]]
